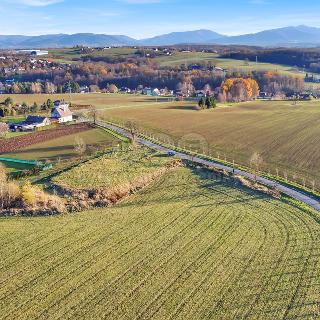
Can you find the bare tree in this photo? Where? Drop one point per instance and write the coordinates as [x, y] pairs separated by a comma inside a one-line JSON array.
[[133, 129], [256, 161], [93, 113], [313, 184], [80, 146]]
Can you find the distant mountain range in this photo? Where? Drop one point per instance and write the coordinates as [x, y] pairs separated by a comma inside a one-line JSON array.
[[289, 37], [192, 37]]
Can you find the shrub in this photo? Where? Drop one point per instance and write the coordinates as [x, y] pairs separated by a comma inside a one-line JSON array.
[[9, 191], [4, 128], [28, 194]]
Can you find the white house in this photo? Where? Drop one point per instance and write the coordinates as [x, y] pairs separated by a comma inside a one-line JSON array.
[[31, 123], [84, 89], [156, 92], [147, 91], [34, 52], [61, 112]]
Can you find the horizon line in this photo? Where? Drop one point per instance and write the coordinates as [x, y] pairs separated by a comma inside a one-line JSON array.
[[156, 35]]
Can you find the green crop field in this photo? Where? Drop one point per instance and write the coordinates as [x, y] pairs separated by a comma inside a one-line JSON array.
[[111, 170], [64, 147], [185, 248], [287, 135]]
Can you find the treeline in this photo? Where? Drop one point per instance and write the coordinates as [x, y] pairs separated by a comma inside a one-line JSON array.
[[132, 72], [9, 108]]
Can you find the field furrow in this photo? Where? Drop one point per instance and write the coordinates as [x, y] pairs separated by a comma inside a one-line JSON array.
[[187, 247]]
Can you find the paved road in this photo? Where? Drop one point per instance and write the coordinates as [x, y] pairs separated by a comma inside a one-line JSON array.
[[290, 192]]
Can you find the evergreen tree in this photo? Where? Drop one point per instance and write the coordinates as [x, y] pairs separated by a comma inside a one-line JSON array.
[[201, 103]]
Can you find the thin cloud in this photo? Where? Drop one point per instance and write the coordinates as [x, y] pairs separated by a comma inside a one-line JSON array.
[[259, 2], [140, 1], [37, 3]]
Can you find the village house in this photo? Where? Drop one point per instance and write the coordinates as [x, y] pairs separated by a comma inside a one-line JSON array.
[[124, 90], [84, 89], [200, 94], [61, 112], [31, 123], [155, 92], [147, 91]]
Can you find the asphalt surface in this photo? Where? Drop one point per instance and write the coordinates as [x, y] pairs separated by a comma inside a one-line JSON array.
[[286, 190]]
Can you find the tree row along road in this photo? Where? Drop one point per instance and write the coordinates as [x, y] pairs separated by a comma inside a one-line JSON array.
[[269, 183]]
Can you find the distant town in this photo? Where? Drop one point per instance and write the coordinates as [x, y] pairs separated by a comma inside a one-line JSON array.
[[177, 71]]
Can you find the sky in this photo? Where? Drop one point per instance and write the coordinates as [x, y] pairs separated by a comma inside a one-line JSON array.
[[147, 18]]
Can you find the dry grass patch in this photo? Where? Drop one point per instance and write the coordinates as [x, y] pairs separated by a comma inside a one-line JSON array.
[[112, 169]]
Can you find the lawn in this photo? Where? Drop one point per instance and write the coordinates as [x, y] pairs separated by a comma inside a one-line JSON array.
[[112, 170], [287, 135], [185, 248], [63, 148]]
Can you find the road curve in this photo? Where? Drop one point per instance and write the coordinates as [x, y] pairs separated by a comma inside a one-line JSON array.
[[288, 191]]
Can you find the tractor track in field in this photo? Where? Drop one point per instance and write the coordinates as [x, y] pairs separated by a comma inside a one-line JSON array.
[[127, 239], [74, 254], [182, 252], [126, 253], [171, 256]]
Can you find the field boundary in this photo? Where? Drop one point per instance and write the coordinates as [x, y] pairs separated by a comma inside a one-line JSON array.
[[196, 158]]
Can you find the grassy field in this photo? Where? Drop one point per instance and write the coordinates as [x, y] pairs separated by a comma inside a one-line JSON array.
[[15, 167], [64, 148], [287, 136], [71, 55], [112, 170], [100, 100], [197, 57], [186, 248]]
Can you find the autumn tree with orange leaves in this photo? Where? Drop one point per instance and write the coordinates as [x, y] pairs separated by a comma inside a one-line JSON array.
[[240, 89]]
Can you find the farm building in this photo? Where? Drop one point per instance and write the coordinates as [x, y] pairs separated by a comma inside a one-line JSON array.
[[31, 123], [151, 92], [147, 91], [61, 112], [34, 52], [156, 92], [200, 94]]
